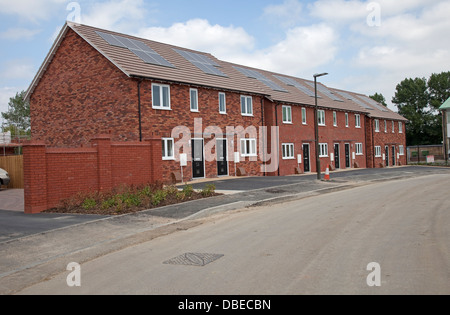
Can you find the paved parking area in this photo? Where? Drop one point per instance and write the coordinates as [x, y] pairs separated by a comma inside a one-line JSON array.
[[15, 224], [11, 200]]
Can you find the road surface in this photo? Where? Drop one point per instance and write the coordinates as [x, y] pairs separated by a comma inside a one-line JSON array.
[[317, 245]]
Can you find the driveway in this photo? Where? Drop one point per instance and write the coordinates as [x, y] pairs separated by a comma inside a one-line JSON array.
[[14, 223]]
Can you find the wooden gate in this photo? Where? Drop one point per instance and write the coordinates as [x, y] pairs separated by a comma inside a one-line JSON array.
[[14, 166]]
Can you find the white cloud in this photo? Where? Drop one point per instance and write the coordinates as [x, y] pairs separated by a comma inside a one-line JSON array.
[[302, 49], [288, 14], [31, 10], [18, 69], [119, 15], [5, 94], [19, 34], [333, 11], [224, 42]]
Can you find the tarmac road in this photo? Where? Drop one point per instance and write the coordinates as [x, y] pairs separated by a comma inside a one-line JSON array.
[[318, 245]]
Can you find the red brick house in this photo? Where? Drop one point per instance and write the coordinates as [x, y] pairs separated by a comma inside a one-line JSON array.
[[95, 82]]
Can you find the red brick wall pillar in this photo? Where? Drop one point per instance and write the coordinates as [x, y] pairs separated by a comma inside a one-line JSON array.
[[155, 158], [35, 177], [103, 145]]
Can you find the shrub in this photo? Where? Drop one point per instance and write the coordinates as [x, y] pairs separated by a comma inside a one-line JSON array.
[[209, 190], [188, 190], [89, 204], [158, 197]]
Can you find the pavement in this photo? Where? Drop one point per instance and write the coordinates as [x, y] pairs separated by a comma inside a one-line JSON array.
[[35, 247]]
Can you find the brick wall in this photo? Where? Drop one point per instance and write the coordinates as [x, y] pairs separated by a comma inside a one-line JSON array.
[[54, 174], [389, 137], [299, 134], [82, 93]]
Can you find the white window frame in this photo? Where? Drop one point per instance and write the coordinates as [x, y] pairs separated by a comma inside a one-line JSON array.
[[346, 120], [193, 96], [401, 150], [165, 149], [248, 147], [221, 94], [288, 151], [246, 105], [377, 125], [378, 151], [393, 126], [161, 88], [400, 127], [321, 117], [335, 122], [304, 118], [357, 120], [287, 119], [359, 150], [385, 126], [323, 150]]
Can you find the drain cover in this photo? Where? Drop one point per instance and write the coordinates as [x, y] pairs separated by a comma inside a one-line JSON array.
[[193, 259]]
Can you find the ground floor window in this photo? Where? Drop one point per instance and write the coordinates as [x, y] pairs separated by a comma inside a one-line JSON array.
[[167, 148], [248, 147], [401, 150], [359, 149], [377, 151], [288, 151], [323, 149]]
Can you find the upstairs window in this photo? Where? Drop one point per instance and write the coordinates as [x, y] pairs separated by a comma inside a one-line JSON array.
[[222, 103], [321, 117], [287, 114], [247, 106], [358, 121], [304, 116], [194, 100], [161, 96]]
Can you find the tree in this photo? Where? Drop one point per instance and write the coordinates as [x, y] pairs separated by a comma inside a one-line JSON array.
[[424, 125], [439, 85], [18, 114], [379, 98]]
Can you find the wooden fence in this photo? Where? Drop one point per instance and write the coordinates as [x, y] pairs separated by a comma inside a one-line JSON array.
[[14, 166]]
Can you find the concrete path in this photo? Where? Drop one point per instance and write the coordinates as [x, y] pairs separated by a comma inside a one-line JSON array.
[[319, 245]]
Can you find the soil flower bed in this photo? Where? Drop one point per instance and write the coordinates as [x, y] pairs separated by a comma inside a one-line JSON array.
[[125, 200]]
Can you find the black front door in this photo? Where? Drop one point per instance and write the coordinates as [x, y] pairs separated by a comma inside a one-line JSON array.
[[198, 161], [337, 161], [386, 149], [306, 162], [347, 155], [393, 156], [222, 161]]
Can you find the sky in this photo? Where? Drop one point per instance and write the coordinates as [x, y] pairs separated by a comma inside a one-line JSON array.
[[366, 46]]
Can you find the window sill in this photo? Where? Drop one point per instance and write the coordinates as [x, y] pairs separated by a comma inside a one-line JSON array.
[[162, 108]]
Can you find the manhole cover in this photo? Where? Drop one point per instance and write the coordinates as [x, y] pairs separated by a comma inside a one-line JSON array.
[[193, 259]]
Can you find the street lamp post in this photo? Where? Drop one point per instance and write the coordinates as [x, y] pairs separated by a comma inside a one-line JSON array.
[[316, 126]]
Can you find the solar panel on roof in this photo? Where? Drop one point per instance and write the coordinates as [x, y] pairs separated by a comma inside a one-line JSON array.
[[292, 82], [325, 91], [204, 63], [354, 99], [258, 76], [140, 49], [373, 103], [111, 39]]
